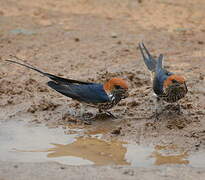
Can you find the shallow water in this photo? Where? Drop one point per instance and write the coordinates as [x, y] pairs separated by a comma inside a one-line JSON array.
[[23, 143]]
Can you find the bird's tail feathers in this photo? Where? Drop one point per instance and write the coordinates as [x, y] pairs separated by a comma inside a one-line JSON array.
[[25, 65], [147, 57], [159, 64], [51, 76]]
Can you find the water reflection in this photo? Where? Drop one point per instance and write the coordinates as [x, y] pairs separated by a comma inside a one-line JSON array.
[[98, 151], [23, 143]]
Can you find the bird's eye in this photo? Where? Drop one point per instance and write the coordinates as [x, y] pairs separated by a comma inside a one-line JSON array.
[[174, 81], [118, 87], [168, 73]]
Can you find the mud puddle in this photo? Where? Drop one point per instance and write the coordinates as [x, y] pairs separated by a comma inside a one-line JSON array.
[[21, 142]]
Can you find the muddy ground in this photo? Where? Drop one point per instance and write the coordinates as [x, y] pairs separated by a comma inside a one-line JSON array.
[[95, 40]]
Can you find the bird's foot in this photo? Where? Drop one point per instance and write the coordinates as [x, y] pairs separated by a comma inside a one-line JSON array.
[[110, 115], [105, 114], [158, 112], [178, 109], [155, 116], [87, 121]]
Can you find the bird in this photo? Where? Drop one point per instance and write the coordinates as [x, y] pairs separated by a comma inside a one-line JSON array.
[[100, 96], [168, 86]]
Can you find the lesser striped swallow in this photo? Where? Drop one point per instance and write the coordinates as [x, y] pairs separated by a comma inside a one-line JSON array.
[[101, 96], [167, 86]]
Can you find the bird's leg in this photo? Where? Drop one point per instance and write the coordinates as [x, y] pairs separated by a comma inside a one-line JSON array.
[[86, 120], [108, 113], [158, 107], [82, 109], [178, 108]]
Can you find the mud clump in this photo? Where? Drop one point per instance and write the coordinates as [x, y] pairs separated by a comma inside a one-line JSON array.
[[67, 118], [30, 81], [10, 88], [43, 105], [32, 85], [177, 124], [132, 103], [116, 131]]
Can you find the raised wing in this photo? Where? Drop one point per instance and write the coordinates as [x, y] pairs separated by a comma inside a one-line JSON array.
[[160, 76]]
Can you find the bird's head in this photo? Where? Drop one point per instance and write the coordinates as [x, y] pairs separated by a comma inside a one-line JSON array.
[[117, 87], [175, 82]]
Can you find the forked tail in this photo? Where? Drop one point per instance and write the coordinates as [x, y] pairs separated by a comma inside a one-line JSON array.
[[150, 62]]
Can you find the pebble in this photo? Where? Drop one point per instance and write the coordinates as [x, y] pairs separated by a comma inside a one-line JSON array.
[[113, 35]]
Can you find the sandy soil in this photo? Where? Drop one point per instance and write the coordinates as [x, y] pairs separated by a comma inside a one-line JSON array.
[[52, 171], [95, 40]]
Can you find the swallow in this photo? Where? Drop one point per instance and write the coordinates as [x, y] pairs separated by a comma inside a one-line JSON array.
[[100, 96], [167, 86]]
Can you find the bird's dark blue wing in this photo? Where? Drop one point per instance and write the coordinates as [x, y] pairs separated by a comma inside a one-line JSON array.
[[161, 75], [158, 82], [82, 91], [88, 93]]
